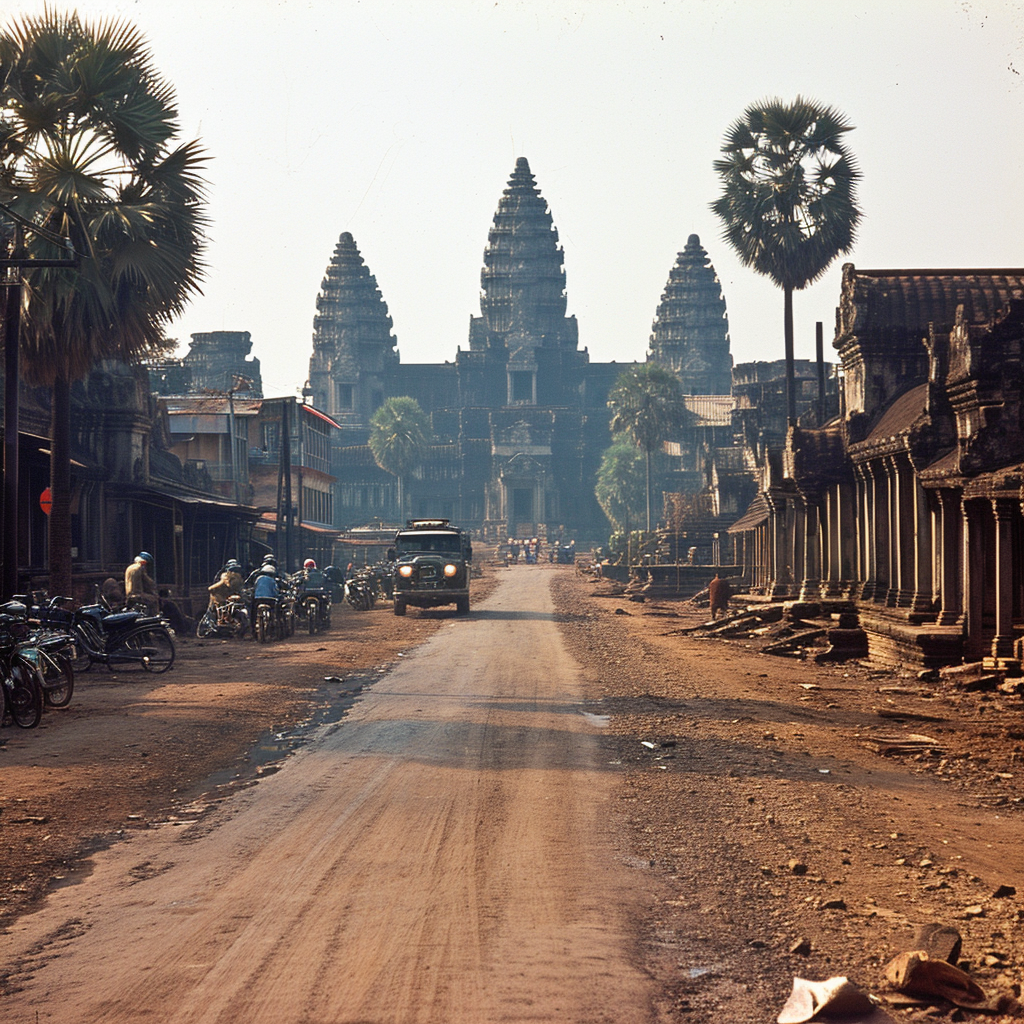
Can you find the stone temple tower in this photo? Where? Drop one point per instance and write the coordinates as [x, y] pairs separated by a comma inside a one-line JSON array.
[[691, 328], [523, 348], [354, 349]]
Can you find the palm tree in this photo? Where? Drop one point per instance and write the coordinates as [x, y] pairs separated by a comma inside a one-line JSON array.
[[89, 152], [620, 483], [788, 198], [647, 404], [399, 438]]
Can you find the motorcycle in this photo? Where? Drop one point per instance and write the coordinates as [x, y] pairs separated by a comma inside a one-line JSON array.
[[120, 640], [360, 592], [229, 620], [314, 606]]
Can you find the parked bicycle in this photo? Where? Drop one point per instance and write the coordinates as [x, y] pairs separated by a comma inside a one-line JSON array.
[[22, 692]]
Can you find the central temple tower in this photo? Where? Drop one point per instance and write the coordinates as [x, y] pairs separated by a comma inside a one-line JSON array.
[[522, 347]]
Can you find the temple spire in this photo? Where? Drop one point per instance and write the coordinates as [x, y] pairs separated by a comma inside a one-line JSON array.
[[353, 344], [523, 279], [691, 327]]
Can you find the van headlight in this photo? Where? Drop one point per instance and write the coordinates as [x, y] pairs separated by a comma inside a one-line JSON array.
[[405, 571], [450, 570]]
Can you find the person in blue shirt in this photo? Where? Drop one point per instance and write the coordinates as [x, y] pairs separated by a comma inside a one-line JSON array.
[[265, 591]]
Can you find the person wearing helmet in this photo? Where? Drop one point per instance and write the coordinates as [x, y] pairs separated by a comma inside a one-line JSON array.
[[264, 592], [139, 586], [268, 560], [311, 582], [230, 582]]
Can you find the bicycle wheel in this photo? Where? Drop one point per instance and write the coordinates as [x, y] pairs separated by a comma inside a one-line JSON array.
[[263, 623], [58, 679], [160, 652], [151, 649], [24, 696], [80, 658], [311, 606], [207, 623]]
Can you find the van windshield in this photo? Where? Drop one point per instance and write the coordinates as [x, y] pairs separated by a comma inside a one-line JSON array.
[[443, 543]]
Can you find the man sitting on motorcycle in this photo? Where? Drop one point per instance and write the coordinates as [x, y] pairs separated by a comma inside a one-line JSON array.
[[229, 584], [139, 586], [266, 589], [311, 577]]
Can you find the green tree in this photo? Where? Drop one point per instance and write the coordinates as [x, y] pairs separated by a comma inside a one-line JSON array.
[[647, 404], [788, 198], [620, 483], [89, 152], [399, 439]]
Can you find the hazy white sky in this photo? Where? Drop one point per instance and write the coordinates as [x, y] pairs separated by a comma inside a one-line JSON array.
[[401, 120]]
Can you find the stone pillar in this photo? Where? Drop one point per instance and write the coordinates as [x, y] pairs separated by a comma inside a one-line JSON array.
[[892, 485], [864, 586], [973, 582], [798, 543], [905, 529], [849, 538], [832, 542], [950, 552], [1003, 509], [810, 589], [922, 601], [878, 527], [779, 576]]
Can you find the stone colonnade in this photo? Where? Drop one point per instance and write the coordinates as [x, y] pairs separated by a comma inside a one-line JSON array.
[[910, 548]]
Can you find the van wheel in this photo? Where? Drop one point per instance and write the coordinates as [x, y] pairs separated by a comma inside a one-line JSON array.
[[462, 606], [399, 606]]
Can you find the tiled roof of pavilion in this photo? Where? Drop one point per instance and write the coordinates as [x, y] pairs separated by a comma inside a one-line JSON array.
[[901, 415], [912, 299]]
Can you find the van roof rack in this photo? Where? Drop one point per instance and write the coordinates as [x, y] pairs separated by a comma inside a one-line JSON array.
[[425, 524]]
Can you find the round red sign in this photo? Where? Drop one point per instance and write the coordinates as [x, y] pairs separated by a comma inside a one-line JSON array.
[[46, 501]]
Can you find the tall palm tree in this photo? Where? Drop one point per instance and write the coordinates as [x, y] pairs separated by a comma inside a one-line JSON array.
[[788, 198], [647, 404], [620, 483], [89, 151], [399, 439]]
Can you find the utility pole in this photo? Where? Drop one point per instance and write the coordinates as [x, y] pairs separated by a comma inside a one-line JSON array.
[[12, 287]]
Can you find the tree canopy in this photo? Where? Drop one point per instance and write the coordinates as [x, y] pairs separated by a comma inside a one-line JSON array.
[[399, 439], [90, 161], [620, 483], [788, 201], [646, 403], [89, 153]]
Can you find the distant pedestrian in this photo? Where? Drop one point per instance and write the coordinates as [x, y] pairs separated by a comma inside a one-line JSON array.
[[719, 593]]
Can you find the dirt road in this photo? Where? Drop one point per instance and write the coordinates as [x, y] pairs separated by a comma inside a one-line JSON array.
[[441, 855]]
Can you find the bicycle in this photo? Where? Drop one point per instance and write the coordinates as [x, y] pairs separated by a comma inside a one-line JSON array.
[[22, 692]]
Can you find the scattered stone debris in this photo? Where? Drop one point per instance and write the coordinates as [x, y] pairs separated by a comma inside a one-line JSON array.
[[833, 999], [911, 743]]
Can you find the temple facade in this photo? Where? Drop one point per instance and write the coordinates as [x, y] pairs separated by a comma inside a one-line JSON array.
[[909, 503], [519, 417]]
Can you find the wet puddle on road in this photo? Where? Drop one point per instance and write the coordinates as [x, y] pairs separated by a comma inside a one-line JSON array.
[[334, 699]]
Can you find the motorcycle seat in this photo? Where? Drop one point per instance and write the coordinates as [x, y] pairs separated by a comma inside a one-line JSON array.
[[119, 618]]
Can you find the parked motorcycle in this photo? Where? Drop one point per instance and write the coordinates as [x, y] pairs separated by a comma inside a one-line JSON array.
[[120, 640]]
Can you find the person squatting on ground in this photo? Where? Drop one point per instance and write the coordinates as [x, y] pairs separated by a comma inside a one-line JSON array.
[[139, 586], [719, 593]]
